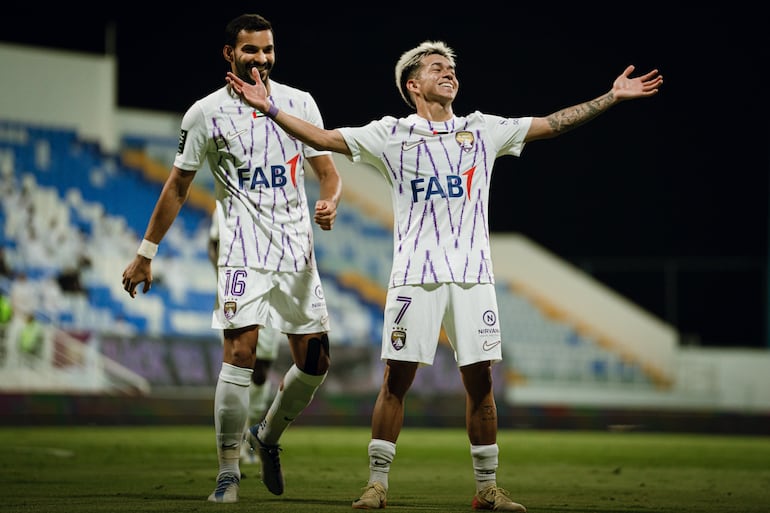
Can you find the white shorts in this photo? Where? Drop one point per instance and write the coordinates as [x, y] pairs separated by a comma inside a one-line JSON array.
[[414, 315], [290, 302]]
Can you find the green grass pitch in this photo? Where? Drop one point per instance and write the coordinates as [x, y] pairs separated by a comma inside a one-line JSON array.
[[172, 469]]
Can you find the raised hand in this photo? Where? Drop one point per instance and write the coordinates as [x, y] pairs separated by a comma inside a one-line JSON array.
[[254, 94], [626, 88]]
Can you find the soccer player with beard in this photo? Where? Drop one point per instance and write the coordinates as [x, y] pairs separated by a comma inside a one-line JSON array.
[[267, 273]]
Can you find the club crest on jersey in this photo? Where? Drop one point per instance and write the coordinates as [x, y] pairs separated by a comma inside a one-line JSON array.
[[398, 339], [465, 140], [230, 307]]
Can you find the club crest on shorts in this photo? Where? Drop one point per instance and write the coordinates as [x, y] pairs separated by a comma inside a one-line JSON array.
[[230, 307], [398, 339]]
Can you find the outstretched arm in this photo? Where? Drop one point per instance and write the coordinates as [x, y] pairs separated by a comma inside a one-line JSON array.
[[623, 88], [256, 96]]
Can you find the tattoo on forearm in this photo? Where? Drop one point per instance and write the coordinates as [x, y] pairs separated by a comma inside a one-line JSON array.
[[572, 117]]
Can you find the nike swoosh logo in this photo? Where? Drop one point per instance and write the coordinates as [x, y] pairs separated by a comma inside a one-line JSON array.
[[488, 346], [408, 145], [232, 135]]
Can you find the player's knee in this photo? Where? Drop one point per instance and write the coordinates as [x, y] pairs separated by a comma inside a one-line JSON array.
[[317, 358]]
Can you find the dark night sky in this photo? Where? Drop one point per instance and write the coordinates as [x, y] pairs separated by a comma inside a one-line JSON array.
[[678, 182]]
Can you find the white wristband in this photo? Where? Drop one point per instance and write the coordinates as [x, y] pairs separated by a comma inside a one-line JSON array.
[[147, 249]]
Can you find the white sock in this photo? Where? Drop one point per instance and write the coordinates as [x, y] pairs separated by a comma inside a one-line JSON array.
[[295, 393], [231, 401], [485, 465], [381, 455]]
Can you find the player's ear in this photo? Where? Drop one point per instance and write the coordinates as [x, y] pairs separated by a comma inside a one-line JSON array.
[[227, 53], [412, 86]]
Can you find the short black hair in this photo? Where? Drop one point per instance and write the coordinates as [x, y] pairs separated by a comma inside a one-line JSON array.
[[247, 22]]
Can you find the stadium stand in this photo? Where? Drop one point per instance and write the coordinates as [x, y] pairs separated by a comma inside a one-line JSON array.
[[90, 210]]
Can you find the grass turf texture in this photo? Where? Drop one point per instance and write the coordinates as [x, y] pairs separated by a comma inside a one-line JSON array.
[[173, 468]]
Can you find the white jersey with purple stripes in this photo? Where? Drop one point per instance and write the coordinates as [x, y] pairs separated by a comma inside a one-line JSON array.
[[259, 177], [440, 174]]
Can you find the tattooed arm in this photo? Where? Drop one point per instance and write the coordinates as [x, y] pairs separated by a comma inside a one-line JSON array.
[[624, 88]]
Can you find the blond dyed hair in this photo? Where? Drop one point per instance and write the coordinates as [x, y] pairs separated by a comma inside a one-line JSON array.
[[411, 60]]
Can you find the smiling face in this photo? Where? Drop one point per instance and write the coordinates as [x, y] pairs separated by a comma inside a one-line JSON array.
[[252, 50], [435, 81]]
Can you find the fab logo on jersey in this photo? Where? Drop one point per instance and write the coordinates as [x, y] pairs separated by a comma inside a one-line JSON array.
[[452, 187], [275, 176]]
